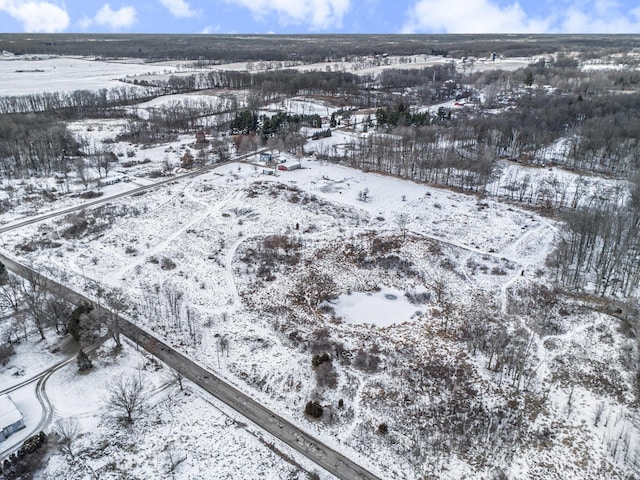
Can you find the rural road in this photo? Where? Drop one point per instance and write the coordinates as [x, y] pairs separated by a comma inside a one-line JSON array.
[[327, 458]]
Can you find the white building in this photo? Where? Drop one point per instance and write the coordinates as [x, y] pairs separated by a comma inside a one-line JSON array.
[[10, 417]]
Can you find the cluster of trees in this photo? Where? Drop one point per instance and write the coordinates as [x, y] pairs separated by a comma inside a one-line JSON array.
[[33, 307], [402, 116], [168, 305], [29, 458], [77, 104], [34, 144], [423, 154], [187, 114], [603, 131], [285, 82], [399, 79], [600, 248], [247, 122]]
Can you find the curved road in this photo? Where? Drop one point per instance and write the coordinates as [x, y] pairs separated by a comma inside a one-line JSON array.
[[320, 453]]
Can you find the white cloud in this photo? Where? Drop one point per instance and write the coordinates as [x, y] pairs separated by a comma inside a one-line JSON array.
[[318, 14], [608, 18], [37, 16], [486, 16], [179, 8], [112, 19], [210, 29], [471, 16]]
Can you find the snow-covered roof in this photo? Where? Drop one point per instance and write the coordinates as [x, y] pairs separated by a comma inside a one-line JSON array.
[[9, 413]]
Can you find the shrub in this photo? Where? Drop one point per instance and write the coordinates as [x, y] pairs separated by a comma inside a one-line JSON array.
[[6, 350], [318, 360], [326, 375], [91, 194], [74, 324], [313, 409], [383, 429], [167, 264]]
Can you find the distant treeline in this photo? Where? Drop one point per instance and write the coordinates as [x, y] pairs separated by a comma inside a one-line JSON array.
[[307, 48], [269, 83]]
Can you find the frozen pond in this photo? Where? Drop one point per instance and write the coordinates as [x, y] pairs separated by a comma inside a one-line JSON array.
[[386, 307]]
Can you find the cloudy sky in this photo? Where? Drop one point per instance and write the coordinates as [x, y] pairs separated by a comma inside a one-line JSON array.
[[321, 16]]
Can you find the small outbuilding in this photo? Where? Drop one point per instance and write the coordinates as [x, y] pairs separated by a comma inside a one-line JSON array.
[[10, 417]]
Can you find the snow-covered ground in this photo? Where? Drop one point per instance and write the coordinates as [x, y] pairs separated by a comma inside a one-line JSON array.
[[181, 432], [426, 290], [235, 250]]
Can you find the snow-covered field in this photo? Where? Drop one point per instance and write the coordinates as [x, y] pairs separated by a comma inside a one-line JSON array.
[[24, 75], [238, 254], [21, 76]]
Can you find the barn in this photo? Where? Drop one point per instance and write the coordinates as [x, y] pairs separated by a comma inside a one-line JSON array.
[[289, 166], [10, 417]]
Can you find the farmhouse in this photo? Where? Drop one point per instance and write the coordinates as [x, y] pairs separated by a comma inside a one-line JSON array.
[[289, 166], [10, 417], [266, 158]]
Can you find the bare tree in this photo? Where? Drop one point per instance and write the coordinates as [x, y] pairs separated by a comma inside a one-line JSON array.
[[402, 221], [10, 293], [80, 167], [67, 430], [116, 303], [103, 162], [314, 288], [34, 293], [174, 457], [59, 312], [127, 396], [178, 375]]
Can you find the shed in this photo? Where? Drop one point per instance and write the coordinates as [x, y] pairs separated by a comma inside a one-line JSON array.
[[289, 166], [10, 417]]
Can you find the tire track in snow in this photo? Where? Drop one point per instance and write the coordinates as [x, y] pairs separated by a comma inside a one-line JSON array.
[[532, 248], [209, 210]]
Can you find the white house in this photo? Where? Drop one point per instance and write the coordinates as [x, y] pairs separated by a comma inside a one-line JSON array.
[[10, 417]]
